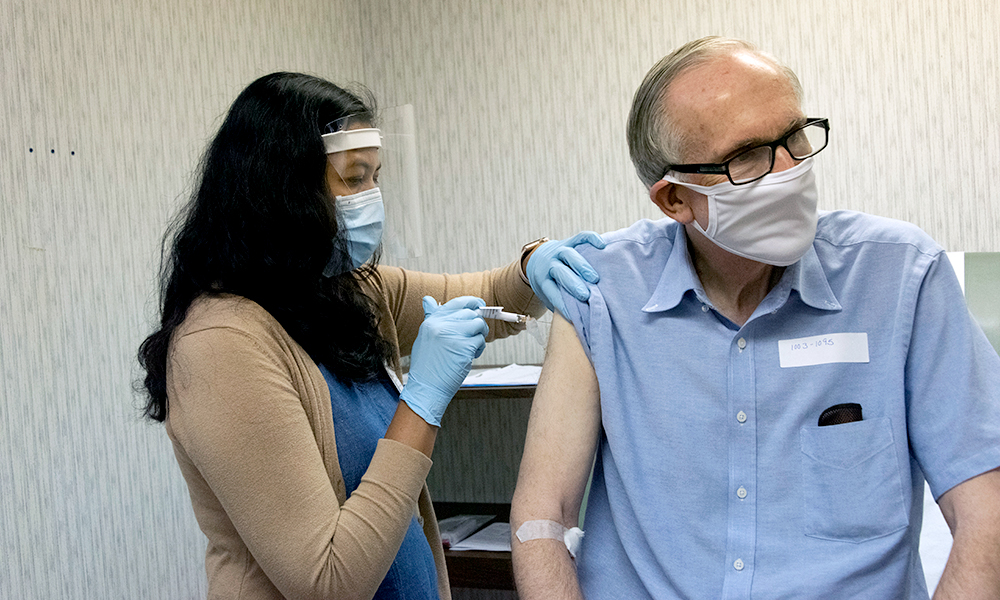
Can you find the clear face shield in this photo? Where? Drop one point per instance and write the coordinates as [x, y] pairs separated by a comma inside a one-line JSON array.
[[364, 159]]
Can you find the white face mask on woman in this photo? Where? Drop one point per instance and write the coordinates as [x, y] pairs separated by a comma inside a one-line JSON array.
[[772, 220], [362, 216]]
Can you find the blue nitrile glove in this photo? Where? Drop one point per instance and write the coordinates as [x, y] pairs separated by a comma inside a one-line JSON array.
[[556, 264], [451, 336]]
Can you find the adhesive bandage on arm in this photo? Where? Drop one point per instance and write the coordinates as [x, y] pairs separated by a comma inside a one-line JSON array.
[[545, 529]]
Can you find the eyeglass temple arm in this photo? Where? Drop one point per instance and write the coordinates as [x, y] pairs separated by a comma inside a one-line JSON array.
[[705, 168]]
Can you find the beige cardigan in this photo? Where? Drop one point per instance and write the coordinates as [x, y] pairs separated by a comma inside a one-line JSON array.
[[252, 428]]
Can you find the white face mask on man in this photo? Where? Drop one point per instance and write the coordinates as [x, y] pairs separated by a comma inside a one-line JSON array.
[[772, 220]]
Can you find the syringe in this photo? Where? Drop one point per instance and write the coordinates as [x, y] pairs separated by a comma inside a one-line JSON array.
[[497, 312]]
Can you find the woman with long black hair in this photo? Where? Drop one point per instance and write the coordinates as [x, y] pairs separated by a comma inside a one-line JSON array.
[[276, 363]]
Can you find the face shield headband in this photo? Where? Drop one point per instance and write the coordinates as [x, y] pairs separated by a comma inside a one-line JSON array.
[[352, 139]]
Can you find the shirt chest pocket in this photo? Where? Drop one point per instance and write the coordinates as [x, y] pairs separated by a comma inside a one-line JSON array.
[[852, 489]]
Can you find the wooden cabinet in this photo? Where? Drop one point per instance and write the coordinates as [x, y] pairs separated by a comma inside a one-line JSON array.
[[476, 569], [475, 470]]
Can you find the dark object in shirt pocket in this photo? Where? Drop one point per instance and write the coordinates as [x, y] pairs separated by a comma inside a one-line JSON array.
[[840, 413]]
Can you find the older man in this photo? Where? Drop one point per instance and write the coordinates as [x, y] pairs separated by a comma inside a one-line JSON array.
[[765, 388]]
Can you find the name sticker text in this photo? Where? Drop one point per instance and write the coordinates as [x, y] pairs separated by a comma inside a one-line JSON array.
[[823, 349]]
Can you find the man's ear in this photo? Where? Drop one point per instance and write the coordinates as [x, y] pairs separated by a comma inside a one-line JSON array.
[[672, 200]]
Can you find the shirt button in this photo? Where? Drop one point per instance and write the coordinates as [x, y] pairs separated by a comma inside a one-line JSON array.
[[738, 565], [704, 308], [742, 492], [741, 417], [742, 343]]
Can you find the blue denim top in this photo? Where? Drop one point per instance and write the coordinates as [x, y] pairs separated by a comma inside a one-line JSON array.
[[361, 415]]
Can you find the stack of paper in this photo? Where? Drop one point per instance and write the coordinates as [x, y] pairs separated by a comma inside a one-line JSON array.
[[495, 538], [456, 529], [513, 374]]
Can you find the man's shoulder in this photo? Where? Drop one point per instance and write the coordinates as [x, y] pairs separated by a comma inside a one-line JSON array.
[[636, 238], [842, 228]]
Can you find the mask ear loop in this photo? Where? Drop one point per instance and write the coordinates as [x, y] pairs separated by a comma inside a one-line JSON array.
[[713, 217], [706, 191], [329, 162], [340, 261]]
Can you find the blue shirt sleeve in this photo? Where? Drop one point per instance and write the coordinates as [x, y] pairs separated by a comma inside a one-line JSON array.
[[579, 316], [952, 385]]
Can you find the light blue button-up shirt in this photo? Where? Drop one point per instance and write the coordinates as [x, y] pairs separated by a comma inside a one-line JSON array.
[[713, 479]]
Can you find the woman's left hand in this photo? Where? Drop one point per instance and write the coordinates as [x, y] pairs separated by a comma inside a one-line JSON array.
[[556, 265]]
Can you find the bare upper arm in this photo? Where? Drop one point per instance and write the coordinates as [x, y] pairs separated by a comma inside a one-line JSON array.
[[974, 503], [563, 433]]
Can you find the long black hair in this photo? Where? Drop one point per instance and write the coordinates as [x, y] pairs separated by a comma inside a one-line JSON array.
[[261, 224]]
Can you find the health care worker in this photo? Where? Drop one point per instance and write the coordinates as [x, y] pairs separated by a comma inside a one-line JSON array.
[[276, 366]]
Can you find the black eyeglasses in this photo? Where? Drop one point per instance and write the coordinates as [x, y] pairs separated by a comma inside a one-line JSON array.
[[748, 166]]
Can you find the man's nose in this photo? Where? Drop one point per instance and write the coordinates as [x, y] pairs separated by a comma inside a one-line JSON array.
[[783, 160]]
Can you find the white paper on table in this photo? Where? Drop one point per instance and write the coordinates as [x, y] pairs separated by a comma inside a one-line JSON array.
[[457, 528], [513, 374], [494, 538]]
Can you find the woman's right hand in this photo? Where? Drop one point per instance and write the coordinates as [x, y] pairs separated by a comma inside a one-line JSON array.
[[451, 336]]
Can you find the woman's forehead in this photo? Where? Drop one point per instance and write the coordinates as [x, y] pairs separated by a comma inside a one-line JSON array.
[[367, 158]]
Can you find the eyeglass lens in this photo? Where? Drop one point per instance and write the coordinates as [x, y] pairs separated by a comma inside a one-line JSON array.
[[757, 162]]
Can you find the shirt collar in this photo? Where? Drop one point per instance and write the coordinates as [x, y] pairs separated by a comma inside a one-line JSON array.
[[808, 278], [678, 277], [805, 276]]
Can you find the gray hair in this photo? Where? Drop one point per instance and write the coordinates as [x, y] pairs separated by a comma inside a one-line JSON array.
[[655, 141]]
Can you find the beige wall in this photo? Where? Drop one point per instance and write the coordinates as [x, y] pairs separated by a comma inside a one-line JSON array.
[[520, 113]]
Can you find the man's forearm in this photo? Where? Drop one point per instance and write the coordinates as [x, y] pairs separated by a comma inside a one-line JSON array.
[[972, 510], [973, 569], [543, 570]]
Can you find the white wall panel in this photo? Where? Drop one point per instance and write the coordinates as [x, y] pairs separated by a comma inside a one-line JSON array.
[[106, 107]]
